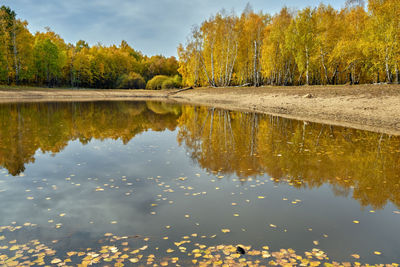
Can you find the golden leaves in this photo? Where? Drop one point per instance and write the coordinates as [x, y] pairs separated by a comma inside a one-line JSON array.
[[134, 260], [55, 261]]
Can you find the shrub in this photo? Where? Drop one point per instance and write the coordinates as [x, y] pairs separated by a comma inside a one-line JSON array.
[[177, 81], [156, 82], [164, 82], [168, 84], [132, 80]]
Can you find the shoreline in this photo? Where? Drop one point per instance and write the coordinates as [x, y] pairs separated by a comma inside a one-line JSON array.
[[367, 107]]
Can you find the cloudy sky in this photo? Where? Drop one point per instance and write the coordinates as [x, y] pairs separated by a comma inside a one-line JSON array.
[[151, 26]]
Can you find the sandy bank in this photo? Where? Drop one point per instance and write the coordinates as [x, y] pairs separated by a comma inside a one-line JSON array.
[[369, 107]]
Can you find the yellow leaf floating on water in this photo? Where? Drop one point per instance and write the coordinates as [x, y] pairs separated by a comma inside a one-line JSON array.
[[356, 222], [356, 256], [62, 214], [225, 231], [377, 253], [55, 261], [273, 225], [14, 248], [134, 260], [114, 222], [261, 197], [170, 250], [187, 216], [236, 215], [316, 242], [71, 253]]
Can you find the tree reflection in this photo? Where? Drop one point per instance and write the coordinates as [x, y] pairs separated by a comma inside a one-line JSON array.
[[305, 155], [362, 164], [28, 127]]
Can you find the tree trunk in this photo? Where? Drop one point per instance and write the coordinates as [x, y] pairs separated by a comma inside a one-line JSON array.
[[388, 74], [212, 66], [205, 68], [307, 68], [333, 79], [397, 75], [325, 69], [255, 65], [15, 51], [48, 75], [377, 77]]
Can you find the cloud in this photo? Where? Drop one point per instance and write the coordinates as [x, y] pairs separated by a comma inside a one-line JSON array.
[[151, 26]]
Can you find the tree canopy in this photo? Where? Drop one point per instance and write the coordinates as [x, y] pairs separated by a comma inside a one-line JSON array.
[[319, 45], [44, 59]]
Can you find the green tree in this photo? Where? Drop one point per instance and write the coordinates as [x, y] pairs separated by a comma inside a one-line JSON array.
[[48, 61]]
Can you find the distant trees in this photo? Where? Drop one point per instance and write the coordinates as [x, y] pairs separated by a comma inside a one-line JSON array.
[[311, 46], [44, 58]]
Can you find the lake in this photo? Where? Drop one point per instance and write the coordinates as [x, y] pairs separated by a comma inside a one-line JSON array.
[[137, 183]]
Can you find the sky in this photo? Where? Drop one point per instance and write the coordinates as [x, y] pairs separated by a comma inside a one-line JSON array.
[[151, 26]]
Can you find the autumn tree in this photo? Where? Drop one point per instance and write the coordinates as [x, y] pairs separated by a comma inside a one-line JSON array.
[[383, 36], [302, 33], [251, 37], [278, 63], [49, 58]]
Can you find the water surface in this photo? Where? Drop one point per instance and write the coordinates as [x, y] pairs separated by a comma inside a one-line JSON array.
[[119, 182]]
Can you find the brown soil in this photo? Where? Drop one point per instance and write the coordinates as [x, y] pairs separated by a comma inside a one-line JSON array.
[[369, 107]]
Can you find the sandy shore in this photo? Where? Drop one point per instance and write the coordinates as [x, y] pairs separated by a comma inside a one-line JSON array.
[[368, 107]]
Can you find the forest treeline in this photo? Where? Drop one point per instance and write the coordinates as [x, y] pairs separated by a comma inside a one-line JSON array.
[[44, 59], [322, 45]]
